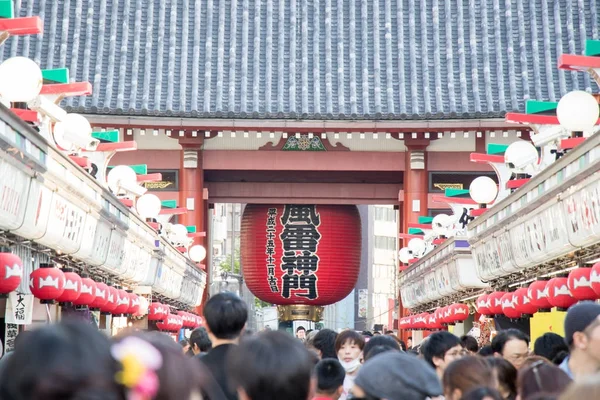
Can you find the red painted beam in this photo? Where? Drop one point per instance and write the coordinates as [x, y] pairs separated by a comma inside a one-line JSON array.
[[486, 158], [575, 62], [453, 200], [516, 183], [83, 162], [476, 212], [571, 143], [22, 26], [419, 226], [149, 177], [534, 119], [119, 146], [127, 202], [26, 115], [407, 236], [197, 234], [438, 241], [68, 89], [173, 211], [153, 225]]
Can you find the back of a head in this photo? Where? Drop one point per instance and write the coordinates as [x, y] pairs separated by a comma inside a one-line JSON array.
[[587, 388], [199, 338], [486, 351], [66, 361], [505, 373], [330, 376], [551, 346], [469, 343], [504, 336], [541, 377], [271, 366], [324, 341], [437, 344], [467, 373], [225, 315], [380, 341], [482, 393]]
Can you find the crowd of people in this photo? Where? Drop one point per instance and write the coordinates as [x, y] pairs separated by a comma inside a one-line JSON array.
[[221, 361]]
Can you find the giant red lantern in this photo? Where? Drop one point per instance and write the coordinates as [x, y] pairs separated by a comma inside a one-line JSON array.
[[101, 296], [580, 284], [496, 302], [11, 273], [123, 300], [483, 305], [538, 293], [47, 283], [87, 294], [559, 294], [301, 254], [460, 312], [72, 288], [595, 278], [509, 306], [524, 305]]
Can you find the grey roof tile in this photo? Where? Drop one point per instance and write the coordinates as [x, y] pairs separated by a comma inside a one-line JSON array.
[[399, 59]]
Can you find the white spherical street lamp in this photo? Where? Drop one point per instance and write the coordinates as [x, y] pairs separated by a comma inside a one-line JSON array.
[[483, 190], [441, 224], [148, 206], [197, 253], [578, 111], [20, 79], [417, 246], [119, 175], [405, 255]]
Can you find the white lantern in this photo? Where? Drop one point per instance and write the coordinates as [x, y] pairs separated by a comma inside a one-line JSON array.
[[119, 176], [521, 157], [441, 224], [405, 255], [20, 79], [483, 190], [417, 246], [148, 206], [578, 111], [179, 230], [74, 131], [197, 253]]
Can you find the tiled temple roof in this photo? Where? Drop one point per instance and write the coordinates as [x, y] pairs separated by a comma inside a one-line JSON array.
[[317, 59]]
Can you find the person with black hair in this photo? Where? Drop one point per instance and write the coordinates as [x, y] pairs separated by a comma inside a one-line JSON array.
[[551, 346], [470, 344], [329, 375], [200, 343], [301, 333], [225, 315], [379, 344], [582, 334], [506, 376], [349, 346], [270, 366], [513, 345], [482, 393], [324, 343], [440, 349], [486, 351], [409, 343]]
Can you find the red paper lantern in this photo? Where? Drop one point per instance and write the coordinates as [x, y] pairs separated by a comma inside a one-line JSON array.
[[134, 303], [446, 314], [404, 323], [559, 294], [496, 303], [101, 296], [47, 283], [158, 312], [322, 246], [188, 319], [434, 323], [580, 284], [538, 293], [72, 288], [483, 305], [524, 304], [439, 316], [11, 273], [460, 312], [509, 306], [122, 302], [420, 321], [595, 278], [112, 303], [87, 294], [164, 324]]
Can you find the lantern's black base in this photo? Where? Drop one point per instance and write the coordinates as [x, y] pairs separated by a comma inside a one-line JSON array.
[[105, 313], [94, 309], [526, 315], [81, 308], [47, 302], [561, 309], [3, 295], [544, 310]]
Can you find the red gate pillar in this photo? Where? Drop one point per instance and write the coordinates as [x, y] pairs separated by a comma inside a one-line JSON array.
[[191, 192], [416, 188]]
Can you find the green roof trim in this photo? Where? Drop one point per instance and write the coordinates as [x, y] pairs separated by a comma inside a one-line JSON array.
[[191, 229], [424, 219], [415, 231], [496, 149], [58, 75], [141, 169], [107, 136], [7, 9], [540, 107], [592, 48], [457, 193], [169, 203]]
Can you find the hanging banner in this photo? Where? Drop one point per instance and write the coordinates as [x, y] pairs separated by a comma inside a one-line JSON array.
[[37, 213], [19, 308], [65, 226], [362, 303], [10, 334], [14, 187]]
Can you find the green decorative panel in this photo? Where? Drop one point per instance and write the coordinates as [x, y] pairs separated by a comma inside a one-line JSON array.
[[592, 48], [304, 143], [415, 231], [540, 107], [7, 9], [107, 136], [169, 203], [496, 149], [457, 193], [425, 219], [58, 75], [141, 169], [191, 229]]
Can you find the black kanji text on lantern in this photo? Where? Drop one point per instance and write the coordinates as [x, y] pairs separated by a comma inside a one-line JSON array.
[[300, 239], [270, 249]]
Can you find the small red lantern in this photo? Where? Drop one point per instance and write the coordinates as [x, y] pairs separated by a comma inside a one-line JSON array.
[[538, 293], [439, 316], [72, 288], [87, 294], [188, 319], [524, 304], [434, 323], [595, 278], [101, 296], [158, 312], [111, 305], [580, 284], [164, 324], [447, 316], [422, 321], [122, 302], [47, 283], [496, 303], [509, 306], [11, 273], [134, 303], [559, 294], [460, 312], [404, 323], [483, 305]]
